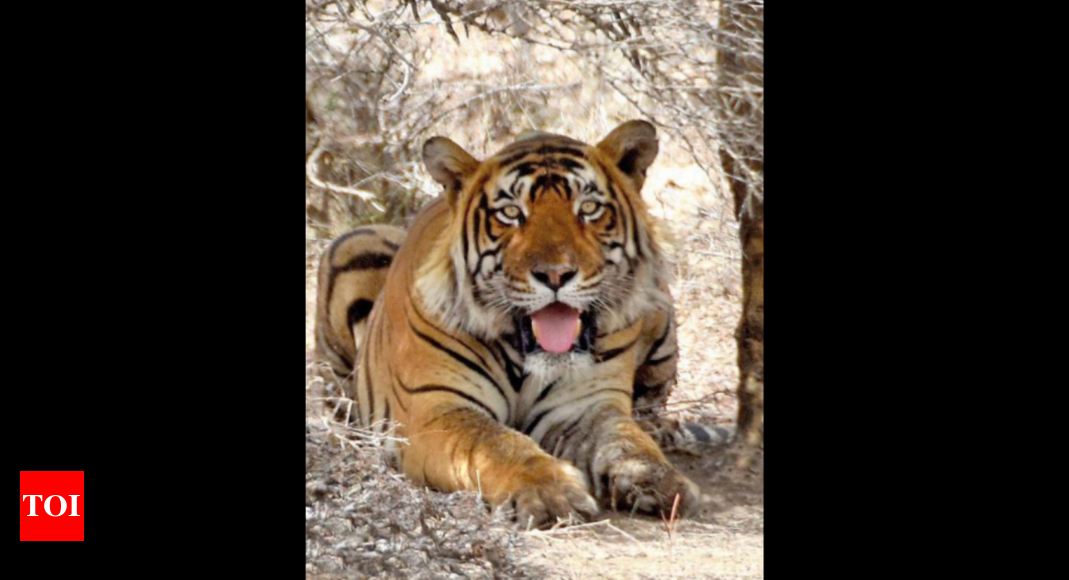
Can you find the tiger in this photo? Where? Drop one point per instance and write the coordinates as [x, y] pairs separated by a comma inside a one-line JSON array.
[[514, 333]]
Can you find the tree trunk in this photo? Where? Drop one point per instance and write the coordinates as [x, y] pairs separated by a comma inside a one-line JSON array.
[[751, 331], [741, 73]]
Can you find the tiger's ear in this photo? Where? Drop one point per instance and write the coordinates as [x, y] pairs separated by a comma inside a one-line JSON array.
[[449, 164], [632, 147]]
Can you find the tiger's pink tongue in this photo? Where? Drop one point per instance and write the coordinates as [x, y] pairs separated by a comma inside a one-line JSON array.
[[555, 327]]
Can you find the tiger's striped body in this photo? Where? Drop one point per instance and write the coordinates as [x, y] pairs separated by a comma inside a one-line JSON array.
[[524, 316]]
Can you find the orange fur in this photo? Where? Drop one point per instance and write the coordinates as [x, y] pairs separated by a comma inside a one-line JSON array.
[[547, 219]]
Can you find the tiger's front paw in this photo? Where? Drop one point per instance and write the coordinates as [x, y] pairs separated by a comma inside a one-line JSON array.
[[648, 485], [555, 489]]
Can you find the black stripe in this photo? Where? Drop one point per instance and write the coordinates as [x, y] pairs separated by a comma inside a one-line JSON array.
[[338, 242], [514, 189], [658, 361], [542, 182], [611, 354], [565, 189], [461, 359], [538, 418], [503, 163], [660, 341], [473, 350], [524, 169], [628, 223], [370, 394], [356, 399], [612, 218], [570, 164], [344, 358], [348, 364], [533, 189], [445, 389], [382, 332], [478, 189], [391, 245], [487, 254], [516, 379], [543, 150], [545, 393], [423, 319], [568, 431], [483, 215], [585, 462], [396, 396], [699, 432], [574, 152], [493, 353], [365, 261], [359, 310], [613, 193], [464, 238]]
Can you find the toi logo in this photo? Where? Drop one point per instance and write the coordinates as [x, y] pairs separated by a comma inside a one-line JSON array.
[[63, 503], [60, 495]]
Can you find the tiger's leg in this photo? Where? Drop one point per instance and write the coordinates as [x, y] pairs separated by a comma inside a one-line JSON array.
[[654, 380], [656, 375], [625, 464], [461, 448]]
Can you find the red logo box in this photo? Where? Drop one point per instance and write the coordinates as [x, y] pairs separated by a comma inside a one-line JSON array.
[[63, 524]]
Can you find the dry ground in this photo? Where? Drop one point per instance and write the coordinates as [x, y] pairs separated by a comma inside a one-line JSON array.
[[350, 491]]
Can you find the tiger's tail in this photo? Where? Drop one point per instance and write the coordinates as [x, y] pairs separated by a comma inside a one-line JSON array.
[[351, 275], [675, 436]]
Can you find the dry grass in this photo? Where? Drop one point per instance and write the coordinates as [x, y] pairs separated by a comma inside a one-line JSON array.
[[362, 518], [379, 87]]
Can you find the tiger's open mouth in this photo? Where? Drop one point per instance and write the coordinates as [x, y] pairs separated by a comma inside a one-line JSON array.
[[557, 328]]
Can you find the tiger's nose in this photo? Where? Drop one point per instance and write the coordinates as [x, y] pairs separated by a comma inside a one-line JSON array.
[[553, 277]]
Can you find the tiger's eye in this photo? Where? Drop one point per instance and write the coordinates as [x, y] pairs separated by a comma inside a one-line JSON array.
[[512, 212], [588, 207]]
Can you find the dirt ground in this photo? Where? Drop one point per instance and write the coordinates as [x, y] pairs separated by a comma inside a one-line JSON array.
[[724, 540]]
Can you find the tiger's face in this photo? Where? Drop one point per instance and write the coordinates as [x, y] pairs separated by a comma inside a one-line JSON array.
[[553, 236], [559, 256]]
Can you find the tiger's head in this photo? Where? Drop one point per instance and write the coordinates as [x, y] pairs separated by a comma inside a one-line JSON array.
[[549, 241]]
